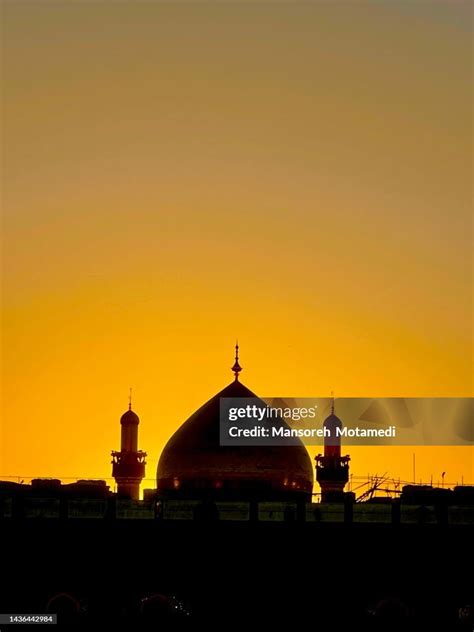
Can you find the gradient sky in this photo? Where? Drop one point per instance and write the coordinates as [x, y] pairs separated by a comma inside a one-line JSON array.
[[177, 175]]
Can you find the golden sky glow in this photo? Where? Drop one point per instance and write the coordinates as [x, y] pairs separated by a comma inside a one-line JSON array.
[[177, 175]]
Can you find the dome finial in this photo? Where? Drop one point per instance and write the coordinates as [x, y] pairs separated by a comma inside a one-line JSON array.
[[332, 402], [130, 399], [236, 368]]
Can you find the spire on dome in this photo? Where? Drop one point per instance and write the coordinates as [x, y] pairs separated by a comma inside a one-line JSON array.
[[236, 368]]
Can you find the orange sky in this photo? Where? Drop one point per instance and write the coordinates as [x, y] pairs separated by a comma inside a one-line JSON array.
[[174, 176]]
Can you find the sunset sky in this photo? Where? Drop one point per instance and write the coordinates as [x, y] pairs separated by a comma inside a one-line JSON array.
[[177, 175]]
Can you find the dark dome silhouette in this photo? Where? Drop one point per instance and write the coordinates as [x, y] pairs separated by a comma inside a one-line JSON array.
[[129, 417], [332, 422], [193, 464]]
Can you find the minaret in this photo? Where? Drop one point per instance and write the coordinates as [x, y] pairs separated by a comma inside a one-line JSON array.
[[128, 465], [332, 469]]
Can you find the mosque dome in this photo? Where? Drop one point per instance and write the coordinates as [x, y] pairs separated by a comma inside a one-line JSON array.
[[193, 464]]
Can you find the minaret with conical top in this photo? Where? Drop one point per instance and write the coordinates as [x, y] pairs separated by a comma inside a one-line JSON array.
[[332, 469], [128, 465]]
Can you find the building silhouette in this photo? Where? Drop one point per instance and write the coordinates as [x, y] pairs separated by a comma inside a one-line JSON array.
[[332, 469], [193, 464], [128, 464]]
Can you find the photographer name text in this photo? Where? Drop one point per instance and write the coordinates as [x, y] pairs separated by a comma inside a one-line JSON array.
[[281, 432]]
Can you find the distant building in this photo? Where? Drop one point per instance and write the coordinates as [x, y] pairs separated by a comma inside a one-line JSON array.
[[332, 469], [128, 464]]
